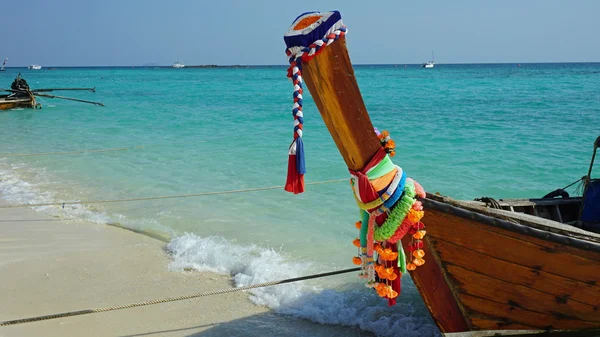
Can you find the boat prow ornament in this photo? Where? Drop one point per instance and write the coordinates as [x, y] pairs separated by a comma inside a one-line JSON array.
[[387, 198]]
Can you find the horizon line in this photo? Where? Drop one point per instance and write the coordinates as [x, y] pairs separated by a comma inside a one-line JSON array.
[[284, 65]]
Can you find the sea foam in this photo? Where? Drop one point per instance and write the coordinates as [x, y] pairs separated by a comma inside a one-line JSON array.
[[349, 305], [343, 303]]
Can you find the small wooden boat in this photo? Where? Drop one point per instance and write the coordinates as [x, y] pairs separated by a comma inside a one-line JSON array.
[[505, 267], [21, 96], [7, 102]]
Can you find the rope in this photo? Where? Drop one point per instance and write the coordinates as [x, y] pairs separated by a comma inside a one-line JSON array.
[[491, 201], [165, 196], [296, 55], [575, 182], [70, 152], [173, 299]]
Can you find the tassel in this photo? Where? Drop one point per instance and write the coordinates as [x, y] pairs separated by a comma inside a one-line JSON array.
[[300, 162], [296, 168]]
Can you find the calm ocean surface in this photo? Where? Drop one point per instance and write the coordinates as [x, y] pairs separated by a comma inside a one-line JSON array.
[[462, 130]]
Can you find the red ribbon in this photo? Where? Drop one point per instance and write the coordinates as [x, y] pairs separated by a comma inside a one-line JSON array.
[[366, 190]]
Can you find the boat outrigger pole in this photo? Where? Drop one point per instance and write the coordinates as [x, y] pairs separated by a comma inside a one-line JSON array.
[[67, 98]]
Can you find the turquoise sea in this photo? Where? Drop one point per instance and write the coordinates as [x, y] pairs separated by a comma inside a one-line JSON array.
[[465, 131]]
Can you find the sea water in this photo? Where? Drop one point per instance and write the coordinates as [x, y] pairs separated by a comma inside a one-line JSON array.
[[466, 131]]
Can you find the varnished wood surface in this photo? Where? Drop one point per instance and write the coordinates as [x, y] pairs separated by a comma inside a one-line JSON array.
[[331, 81], [506, 280], [11, 104], [435, 292], [332, 84]]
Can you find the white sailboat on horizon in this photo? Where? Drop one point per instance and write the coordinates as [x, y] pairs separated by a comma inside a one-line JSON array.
[[4, 63], [178, 64], [429, 64]]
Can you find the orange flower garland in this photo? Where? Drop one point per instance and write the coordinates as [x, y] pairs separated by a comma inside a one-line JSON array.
[[382, 258]]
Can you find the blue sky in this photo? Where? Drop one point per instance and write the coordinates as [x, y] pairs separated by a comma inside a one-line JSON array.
[[225, 32]]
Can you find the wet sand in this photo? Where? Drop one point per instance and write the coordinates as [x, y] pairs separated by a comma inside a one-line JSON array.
[[50, 266]]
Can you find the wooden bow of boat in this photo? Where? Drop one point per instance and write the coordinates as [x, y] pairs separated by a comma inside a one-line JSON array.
[[487, 269], [332, 84]]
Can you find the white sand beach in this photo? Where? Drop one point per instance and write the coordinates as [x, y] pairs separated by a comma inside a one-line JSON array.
[[50, 266]]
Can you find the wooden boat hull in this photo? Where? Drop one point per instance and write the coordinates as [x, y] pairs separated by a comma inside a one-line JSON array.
[[493, 270], [17, 103]]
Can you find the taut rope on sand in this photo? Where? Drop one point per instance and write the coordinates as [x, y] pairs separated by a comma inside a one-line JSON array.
[[68, 152], [166, 196], [173, 299]]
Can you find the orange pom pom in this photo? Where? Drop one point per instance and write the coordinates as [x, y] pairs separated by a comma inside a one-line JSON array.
[[415, 216], [387, 254], [357, 260], [419, 253], [419, 235], [391, 293], [419, 261], [358, 224], [356, 242], [393, 153], [381, 289], [411, 266]]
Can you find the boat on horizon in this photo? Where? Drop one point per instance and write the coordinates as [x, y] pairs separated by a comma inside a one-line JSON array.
[[34, 67], [429, 64], [488, 267], [178, 64], [3, 64]]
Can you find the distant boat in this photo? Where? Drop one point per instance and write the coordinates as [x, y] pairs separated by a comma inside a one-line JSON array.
[[3, 64], [22, 96], [429, 64], [34, 67], [178, 64]]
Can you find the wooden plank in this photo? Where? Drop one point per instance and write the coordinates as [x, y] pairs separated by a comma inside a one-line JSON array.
[[489, 323], [505, 314], [16, 103], [523, 219], [547, 245], [330, 79], [520, 250], [560, 287], [492, 289], [532, 202], [435, 291], [558, 215], [527, 333]]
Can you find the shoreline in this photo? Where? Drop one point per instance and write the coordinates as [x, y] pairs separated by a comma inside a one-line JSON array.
[[50, 265]]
